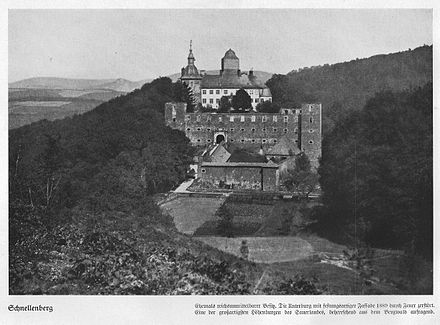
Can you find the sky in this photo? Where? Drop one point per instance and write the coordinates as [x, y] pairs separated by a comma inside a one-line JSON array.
[[141, 44]]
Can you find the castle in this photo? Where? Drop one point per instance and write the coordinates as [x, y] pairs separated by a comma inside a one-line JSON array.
[[278, 137], [208, 89]]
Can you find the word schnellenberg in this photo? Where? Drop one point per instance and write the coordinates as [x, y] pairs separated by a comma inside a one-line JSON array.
[[314, 309], [38, 308]]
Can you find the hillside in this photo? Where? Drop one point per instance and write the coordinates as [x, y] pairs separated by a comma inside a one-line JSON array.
[[28, 105], [345, 87], [79, 84], [82, 216]]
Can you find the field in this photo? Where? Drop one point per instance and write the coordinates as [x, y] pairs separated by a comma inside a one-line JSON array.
[[26, 106], [335, 267], [189, 213]]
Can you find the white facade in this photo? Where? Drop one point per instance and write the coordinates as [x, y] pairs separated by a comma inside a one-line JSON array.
[[211, 97]]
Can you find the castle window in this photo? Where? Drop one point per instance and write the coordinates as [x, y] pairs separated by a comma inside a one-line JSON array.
[[274, 129], [198, 118], [253, 129], [203, 170], [253, 140], [286, 118], [275, 140], [220, 119], [263, 119], [208, 129], [204, 100], [264, 140], [242, 118], [242, 130], [211, 101], [286, 111], [242, 140], [198, 129], [188, 129], [174, 119], [231, 119], [232, 129], [217, 100], [264, 129], [256, 100], [311, 130], [296, 130], [275, 118], [311, 141], [209, 140], [285, 130], [204, 91], [225, 91], [231, 140], [217, 91], [262, 100], [198, 140], [311, 119], [253, 118], [211, 91]]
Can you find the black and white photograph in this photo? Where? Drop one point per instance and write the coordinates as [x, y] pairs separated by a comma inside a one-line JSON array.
[[220, 152]]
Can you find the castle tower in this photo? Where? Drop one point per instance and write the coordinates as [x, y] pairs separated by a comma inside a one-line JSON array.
[[310, 134], [175, 115], [191, 76], [230, 63]]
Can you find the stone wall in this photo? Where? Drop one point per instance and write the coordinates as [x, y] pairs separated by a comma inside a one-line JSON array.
[[252, 130], [239, 177], [310, 135]]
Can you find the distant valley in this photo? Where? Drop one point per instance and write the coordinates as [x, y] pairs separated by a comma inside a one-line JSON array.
[[50, 98], [34, 99]]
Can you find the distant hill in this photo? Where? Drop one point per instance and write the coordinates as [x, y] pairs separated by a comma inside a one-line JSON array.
[[344, 87], [262, 75], [79, 84]]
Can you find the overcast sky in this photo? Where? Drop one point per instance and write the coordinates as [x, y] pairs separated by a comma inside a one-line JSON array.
[[141, 44]]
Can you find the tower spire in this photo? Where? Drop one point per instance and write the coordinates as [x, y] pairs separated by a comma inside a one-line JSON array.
[[191, 58]]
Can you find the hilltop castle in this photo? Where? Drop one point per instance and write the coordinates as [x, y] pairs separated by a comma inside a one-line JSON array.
[[277, 137], [208, 89]]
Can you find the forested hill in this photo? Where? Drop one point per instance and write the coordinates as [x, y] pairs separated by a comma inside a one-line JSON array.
[[344, 87]]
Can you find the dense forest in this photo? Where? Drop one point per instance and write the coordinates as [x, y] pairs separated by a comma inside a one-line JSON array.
[[81, 216], [346, 86], [83, 213], [376, 174]]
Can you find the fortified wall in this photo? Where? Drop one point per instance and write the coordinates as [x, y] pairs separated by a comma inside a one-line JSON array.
[[302, 127]]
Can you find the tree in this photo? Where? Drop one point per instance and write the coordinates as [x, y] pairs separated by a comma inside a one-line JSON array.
[[386, 178], [241, 101], [183, 93], [268, 107], [225, 105], [225, 222], [301, 180]]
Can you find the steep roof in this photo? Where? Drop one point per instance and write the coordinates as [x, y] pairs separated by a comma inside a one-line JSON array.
[[231, 80], [219, 154], [284, 147], [230, 54]]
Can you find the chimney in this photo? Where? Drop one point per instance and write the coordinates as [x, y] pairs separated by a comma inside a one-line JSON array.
[[251, 73]]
